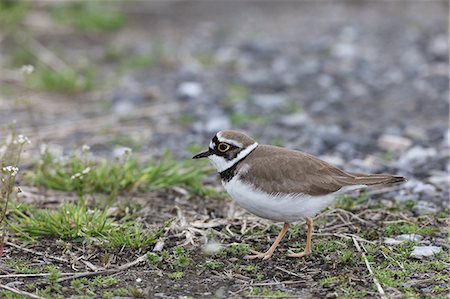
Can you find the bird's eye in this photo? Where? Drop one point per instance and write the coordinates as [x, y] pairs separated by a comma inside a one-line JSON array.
[[223, 147]]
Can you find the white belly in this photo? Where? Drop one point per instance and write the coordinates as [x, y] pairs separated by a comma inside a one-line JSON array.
[[285, 208]]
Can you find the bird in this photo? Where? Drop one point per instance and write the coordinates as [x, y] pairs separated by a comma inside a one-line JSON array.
[[281, 184]]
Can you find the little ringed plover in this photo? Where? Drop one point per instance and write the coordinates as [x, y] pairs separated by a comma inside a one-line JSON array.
[[281, 184]]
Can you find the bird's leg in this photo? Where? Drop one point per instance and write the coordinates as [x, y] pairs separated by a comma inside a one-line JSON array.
[[307, 250], [272, 248]]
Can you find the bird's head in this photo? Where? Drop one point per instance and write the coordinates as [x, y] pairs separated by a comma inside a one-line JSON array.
[[227, 148]]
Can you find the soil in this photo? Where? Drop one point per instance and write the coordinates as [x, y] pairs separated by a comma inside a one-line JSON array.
[[337, 78]]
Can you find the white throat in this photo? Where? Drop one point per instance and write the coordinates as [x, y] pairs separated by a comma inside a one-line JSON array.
[[221, 164]]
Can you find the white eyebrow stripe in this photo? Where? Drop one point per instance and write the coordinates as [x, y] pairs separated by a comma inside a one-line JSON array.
[[233, 142]]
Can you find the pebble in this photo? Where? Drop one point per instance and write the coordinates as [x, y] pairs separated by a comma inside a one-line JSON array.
[[393, 142], [403, 238], [217, 123], [404, 196], [425, 208], [409, 237], [269, 101], [344, 50], [212, 247], [424, 251], [417, 155], [438, 47], [189, 90], [294, 120]]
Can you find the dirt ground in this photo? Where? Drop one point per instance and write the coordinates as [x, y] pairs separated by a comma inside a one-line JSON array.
[[347, 73]]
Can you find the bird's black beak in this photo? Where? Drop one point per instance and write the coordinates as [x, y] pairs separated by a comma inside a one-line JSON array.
[[202, 155]]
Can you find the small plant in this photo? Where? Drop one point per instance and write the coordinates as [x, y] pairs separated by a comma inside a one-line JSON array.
[[330, 280], [77, 222], [250, 268], [176, 275], [89, 16], [213, 265], [65, 81], [235, 250], [9, 167], [265, 292], [393, 229], [153, 258], [348, 203], [236, 94], [21, 266], [85, 176]]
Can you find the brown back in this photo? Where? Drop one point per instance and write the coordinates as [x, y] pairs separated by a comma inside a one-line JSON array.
[[294, 172]]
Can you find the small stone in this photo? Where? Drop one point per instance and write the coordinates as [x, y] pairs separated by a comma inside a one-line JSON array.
[[212, 247], [438, 46], [417, 155], [424, 208], [189, 90], [404, 196], [294, 120], [325, 81], [217, 123], [440, 180], [269, 101], [344, 50], [409, 237], [393, 142], [424, 251], [392, 241], [138, 280]]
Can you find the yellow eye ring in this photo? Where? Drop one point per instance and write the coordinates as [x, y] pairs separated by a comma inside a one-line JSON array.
[[223, 147]]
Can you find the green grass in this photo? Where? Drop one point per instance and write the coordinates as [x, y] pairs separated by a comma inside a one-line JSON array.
[[69, 81], [236, 93], [12, 14], [85, 176], [329, 280], [244, 118], [77, 223], [236, 250], [88, 16], [176, 275], [214, 265], [349, 203], [155, 56], [265, 292], [21, 266], [394, 229]]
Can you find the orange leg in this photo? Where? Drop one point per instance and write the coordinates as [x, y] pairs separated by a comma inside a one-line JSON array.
[[266, 255], [307, 251]]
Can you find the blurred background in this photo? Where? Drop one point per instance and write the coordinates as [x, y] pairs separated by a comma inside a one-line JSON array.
[[361, 84]]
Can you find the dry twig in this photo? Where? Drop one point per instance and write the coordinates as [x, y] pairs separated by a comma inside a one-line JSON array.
[[375, 280], [23, 293], [59, 259]]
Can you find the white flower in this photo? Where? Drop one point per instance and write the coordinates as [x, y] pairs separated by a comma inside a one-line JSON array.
[[21, 139], [76, 175], [11, 169], [127, 151], [85, 148], [86, 170], [27, 69]]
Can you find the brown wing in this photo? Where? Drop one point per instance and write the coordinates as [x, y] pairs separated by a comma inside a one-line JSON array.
[[298, 172]]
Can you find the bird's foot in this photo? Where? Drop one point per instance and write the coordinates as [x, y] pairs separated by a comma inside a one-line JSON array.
[[258, 255], [300, 254]]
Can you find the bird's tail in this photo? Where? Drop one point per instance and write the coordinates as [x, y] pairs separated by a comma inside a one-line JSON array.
[[374, 179]]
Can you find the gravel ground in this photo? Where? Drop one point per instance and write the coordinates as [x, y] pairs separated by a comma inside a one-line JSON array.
[[363, 85]]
